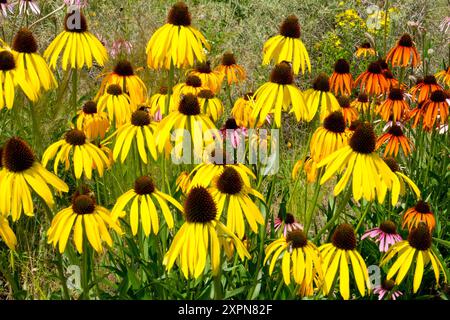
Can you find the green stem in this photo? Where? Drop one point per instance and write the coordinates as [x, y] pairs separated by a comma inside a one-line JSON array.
[[386, 14], [314, 202], [73, 100], [85, 269], [336, 215], [363, 216], [59, 260]]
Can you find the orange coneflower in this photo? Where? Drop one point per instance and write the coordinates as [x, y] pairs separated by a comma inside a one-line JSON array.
[[417, 114], [350, 113], [211, 79], [192, 85], [395, 105], [361, 103], [404, 52], [436, 106], [444, 76], [233, 72], [395, 139], [420, 213], [393, 83], [123, 75], [424, 87], [372, 81], [341, 80], [365, 49]]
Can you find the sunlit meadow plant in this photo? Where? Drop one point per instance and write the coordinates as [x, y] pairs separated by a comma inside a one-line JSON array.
[[203, 156]]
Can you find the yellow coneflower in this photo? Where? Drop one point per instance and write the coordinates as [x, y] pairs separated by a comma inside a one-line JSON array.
[[143, 197], [192, 85], [416, 248], [424, 87], [124, 76], [198, 238], [403, 52], [210, 78], [402, 178], [230, 192], [287, 46], [22, 173], [210, 105], [341, 80], [301, 259], [117, 104], [372, 81], [9, 78], [371, 176], [183, 182], [187, 117], [320, 97], [176, 42], [350, 113], [31, 66], [444, 76], [337, 255], [395, 140], [139, 130], [329, 137], [80, 46], [158, 104], [420, 213], [7, 234], [204, 173], [229, 68], [436, 107], [277, 95], [310, 168], [84, 154], [364, 50], [242, 110], [394, 107], [87, 219], [361, 103], [93, 123]]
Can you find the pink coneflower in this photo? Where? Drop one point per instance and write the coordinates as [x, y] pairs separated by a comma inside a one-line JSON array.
[[5, 7], [386, 234], [390, 123], [120, 45], [27, 6], [77, 3], [288, 224], [386, 289], [237, 134]]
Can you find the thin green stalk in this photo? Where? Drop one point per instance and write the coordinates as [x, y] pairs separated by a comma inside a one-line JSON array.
[[59, 259], [314, 202], [73, 99], [363, 216], [85, 269], [386, 14], [336, 215]]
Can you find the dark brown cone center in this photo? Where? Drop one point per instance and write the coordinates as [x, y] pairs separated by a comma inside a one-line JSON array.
[[124, 68], [83, 204], [75, 137], [335, 122], [230, 181], [194, 81], [321, 83], [363, 139], [341, 66], [179, 15], [388, 227], [396, 94], [199, 206], [144, 185], [297, 238], [114, 89], [228, 59], [17, 155], [90, 107], [420, 237], [344, 237], [7, 61], [422, 207], [189, 105], [25, 42], [290, 27], [75, 21], [140, 118]]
